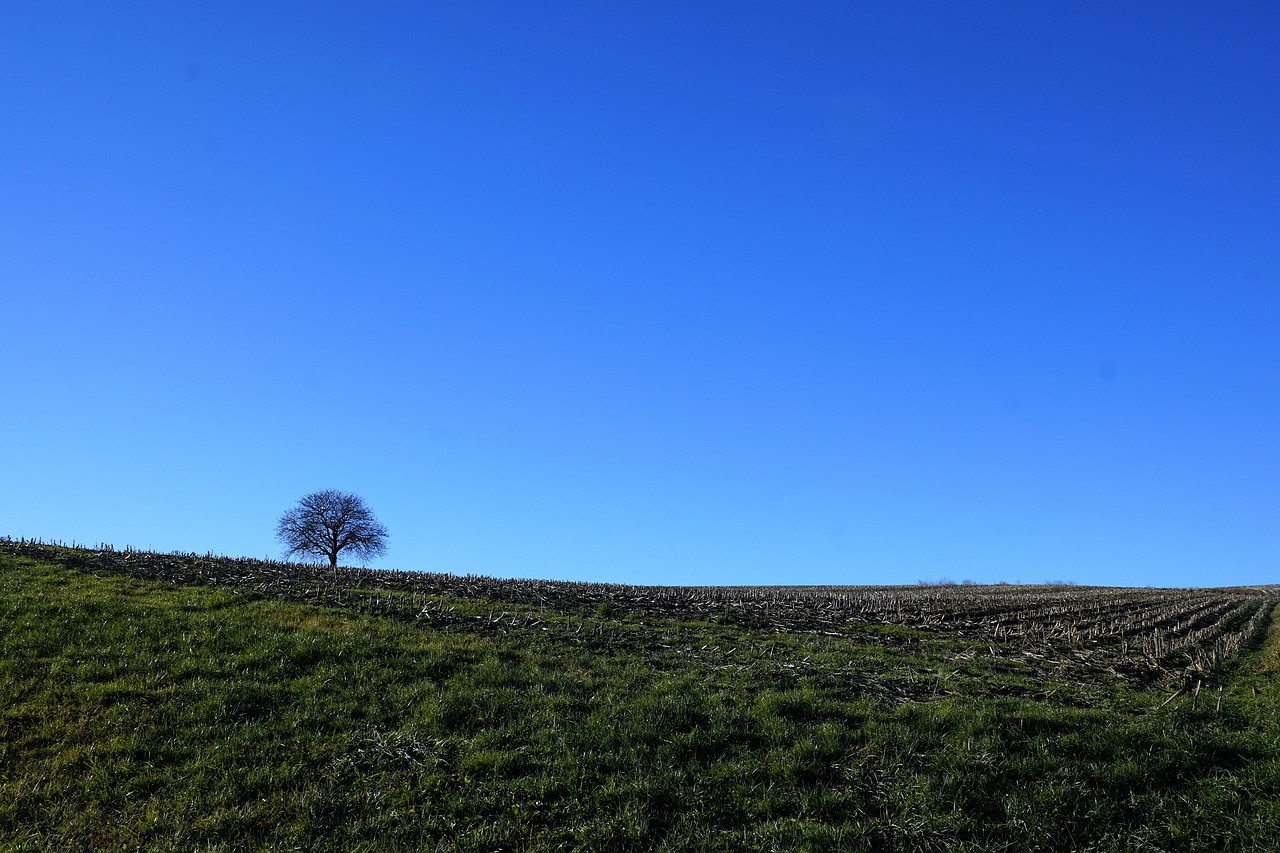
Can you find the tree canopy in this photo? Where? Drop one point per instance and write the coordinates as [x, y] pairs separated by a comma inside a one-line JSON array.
[[328, 523]]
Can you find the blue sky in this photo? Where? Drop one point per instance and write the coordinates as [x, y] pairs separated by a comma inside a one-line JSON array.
[[652, 292]]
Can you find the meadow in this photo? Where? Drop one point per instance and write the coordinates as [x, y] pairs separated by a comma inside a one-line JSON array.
[[182, 701]]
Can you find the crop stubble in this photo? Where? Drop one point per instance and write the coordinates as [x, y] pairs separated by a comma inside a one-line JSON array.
[[1082, 635]]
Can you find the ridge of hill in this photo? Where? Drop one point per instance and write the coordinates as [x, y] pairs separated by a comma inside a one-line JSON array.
[[183, 702]]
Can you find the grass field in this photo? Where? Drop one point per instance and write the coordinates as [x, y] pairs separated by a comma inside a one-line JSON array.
[[173, 702]]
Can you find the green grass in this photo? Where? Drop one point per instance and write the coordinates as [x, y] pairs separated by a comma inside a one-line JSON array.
[[151, 716]]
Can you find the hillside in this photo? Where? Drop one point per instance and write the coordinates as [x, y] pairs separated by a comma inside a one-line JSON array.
[[174, 701]]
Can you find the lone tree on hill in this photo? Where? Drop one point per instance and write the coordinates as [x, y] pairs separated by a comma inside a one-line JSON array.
[[328, 522]]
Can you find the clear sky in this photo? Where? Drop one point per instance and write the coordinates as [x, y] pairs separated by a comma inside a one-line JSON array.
[[651, 292]]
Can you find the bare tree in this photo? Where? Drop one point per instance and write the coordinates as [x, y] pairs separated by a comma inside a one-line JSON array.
[[328, 522]]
